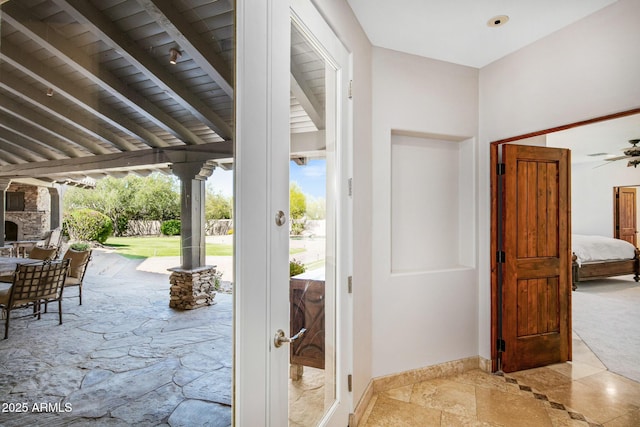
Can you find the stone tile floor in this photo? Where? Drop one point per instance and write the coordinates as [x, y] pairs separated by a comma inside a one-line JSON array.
[[582, 393], [122, 358]]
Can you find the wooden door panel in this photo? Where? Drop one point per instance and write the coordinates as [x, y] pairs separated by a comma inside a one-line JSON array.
[[625, 214], [537, 271], [537, 306]]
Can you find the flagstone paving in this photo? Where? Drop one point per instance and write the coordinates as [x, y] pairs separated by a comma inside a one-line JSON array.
[[121, 358]]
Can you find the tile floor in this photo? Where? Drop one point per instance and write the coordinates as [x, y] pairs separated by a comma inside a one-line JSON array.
[[579, 393]]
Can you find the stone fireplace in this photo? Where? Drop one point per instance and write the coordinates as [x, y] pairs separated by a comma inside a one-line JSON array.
[[27, 215]]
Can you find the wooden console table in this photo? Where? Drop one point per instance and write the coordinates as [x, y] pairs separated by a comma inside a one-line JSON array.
[[306, 299]]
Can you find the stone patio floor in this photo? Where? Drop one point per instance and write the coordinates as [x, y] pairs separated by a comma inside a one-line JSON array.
[[121, 358]]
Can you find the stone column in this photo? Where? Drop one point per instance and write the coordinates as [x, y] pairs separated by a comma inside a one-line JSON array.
[[56, 212], [193, 284], [4, 185], [193, 288]]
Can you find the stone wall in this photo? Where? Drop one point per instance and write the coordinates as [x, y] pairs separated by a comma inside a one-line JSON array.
[[35, 220]]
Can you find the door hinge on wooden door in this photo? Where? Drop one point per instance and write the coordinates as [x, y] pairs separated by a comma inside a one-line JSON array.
[[501, 345], [500, 257], [350, 382], [500, 169]]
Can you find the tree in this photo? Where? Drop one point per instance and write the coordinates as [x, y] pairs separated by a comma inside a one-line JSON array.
[[316, 208], [217, 206], [297, 201], [155, 197], [297, 209]]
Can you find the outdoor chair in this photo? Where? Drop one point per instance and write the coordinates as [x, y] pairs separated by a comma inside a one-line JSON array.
[[33, 285], [79, 261], [53, 239]]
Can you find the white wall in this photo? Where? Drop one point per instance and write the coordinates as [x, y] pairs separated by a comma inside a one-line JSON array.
[[341, 18], [422, 318], [592, 195], [586, 70]]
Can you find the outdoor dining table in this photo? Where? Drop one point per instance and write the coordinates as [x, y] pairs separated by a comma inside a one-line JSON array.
[[8, 264], [22, 247]]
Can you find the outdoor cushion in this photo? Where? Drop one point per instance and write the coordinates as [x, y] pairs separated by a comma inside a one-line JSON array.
[[43, 253], [5, 291], [78, 261], [72, 281]]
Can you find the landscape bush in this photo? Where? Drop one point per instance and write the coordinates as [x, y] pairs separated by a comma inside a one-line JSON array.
[[170, 227], [296, 267], [88, 225]]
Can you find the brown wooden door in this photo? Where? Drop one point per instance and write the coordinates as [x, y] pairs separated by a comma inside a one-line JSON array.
[[625, 214], [536, 290]]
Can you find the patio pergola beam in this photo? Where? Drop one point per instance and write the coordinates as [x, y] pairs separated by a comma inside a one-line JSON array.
[[104, 162]]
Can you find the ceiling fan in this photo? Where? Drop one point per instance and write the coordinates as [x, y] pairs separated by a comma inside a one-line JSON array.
[[632, 153]]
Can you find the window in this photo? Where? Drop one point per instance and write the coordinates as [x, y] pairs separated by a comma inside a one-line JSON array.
[[15, 201]]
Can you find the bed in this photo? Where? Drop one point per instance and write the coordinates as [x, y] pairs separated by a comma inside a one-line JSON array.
[[598, 257]]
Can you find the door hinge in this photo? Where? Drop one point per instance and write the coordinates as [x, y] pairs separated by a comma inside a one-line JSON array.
[[350, 89], [501, 345], [500, 169], [350, 284], [500, 257], [350, 186], [350, 382]]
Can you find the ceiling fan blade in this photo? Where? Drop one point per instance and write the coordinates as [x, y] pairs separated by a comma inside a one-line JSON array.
[[613, 159]]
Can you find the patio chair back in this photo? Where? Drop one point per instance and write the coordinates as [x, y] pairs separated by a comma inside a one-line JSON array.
[[79, 261], [54, 239], [34, 284]]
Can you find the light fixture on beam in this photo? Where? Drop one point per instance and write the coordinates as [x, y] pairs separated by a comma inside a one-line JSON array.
[[174, 55], [50, 91]]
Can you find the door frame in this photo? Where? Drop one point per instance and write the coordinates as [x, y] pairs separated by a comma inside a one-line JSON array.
[[261, 175], [493, 162]]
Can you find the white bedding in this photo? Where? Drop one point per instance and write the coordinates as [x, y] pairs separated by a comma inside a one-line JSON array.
[[600, 248]]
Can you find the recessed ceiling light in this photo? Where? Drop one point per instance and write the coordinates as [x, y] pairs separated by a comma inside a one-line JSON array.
[[497, 21]]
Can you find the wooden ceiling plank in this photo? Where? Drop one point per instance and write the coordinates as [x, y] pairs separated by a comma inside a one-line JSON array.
[[12, 143], [10, 53], [84, 12], [49, 126], [19, 18], [39, 148], [39, 136], [10, 156], [184, 34], [306, 98]]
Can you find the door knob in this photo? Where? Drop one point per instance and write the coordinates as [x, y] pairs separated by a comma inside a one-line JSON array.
[[280, 218], [282, 338]]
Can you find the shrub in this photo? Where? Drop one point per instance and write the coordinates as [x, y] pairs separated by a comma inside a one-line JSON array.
[[296, 267], [170, 227], [88, 225]]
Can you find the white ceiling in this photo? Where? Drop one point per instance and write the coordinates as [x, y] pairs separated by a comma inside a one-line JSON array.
[[608, 139], [456, 30]]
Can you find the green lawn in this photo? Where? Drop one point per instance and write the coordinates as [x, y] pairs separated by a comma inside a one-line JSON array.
[[144, 247]]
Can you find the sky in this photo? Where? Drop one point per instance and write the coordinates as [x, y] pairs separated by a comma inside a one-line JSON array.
[[310, 178]]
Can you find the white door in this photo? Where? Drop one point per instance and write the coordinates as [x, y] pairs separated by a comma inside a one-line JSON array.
[[263, 88]]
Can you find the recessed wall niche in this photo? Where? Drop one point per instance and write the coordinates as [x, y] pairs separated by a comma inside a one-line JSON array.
[[432, 202]]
